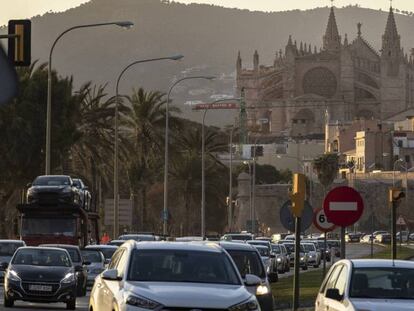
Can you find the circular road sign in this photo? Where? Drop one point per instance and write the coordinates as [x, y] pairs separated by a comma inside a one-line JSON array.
[[321, 221], [343, 206], [288, 219]]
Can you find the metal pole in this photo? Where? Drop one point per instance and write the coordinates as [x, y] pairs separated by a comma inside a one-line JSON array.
[[254, 190], [250, 194], [166, 149], [343, 246], [230, 211], [296, 285], [203, 178], [393, 231], [49, 86], [325, 254], [372, 237]]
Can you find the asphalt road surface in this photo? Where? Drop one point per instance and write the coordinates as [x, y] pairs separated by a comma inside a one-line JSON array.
[[81, 305]]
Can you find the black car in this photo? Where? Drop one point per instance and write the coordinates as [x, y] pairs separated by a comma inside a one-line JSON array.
[[85, 195], [40, 274], [79, 264], [53, 189]]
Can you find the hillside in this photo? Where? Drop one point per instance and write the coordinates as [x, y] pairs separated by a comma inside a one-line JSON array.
[[208, 36]]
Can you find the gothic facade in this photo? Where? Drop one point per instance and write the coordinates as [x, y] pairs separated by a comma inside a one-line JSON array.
[[349, 79]]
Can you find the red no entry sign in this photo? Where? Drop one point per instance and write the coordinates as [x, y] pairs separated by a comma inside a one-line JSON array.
[[343, 206]]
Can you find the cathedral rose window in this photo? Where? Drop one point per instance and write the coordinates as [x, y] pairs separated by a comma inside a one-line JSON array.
[[320, 81]]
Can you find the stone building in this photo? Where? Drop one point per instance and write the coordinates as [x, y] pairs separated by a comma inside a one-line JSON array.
[[346, 77]]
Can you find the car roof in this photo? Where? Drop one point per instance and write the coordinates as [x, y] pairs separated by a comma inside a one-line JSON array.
[[43, 248], [261, 246], [382, 263], [187, 246], [11, 241], [60, 246], [66, 176], [101, 246], [236, 246], [258, 241]]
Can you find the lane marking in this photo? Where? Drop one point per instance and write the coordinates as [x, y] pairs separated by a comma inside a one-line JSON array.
[[343, 206]]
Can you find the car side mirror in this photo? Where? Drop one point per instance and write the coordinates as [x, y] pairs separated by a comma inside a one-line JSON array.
[[333, 293], [110, 275], [78, 268], [252, 280], [3, 266], [273, 277]]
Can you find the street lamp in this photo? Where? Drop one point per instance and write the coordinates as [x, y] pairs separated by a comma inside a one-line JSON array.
[[166, 152], [123, 24], [203, 170], [116, 143]]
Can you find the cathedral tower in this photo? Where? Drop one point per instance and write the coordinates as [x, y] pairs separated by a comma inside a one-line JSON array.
[[332, 39], [391, 53]]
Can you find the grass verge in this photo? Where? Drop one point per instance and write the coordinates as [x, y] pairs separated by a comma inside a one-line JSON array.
[[311, 281]]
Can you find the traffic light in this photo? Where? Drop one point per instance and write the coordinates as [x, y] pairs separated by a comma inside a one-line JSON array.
[[298, 194], [19, 47], [395, 195]]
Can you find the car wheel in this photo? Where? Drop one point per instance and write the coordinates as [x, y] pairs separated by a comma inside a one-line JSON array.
[[71, 304], [8, 302]]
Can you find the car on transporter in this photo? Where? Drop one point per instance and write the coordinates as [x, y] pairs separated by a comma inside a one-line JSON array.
[[172, 276]]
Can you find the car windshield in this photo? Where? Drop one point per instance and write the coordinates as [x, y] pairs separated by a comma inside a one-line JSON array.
[[73, 253], [42, 257], [276, 249], [290, 248], [91, 255], [333, 243], [247, 262], [309, 247], [51, 181], [107, 252], [181, 266], [264, 252], [382, 283], [8, 248], [237, 237], [49, 226]]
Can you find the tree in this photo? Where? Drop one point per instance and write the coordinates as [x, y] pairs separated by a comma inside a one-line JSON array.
[[326, 167]]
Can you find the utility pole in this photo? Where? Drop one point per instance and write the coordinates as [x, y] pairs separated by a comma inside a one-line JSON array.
[[394, 198]]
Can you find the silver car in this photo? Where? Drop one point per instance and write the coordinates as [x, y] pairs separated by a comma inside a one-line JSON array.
[[368, 284], [95, 264], [172, 275], [314, 257]]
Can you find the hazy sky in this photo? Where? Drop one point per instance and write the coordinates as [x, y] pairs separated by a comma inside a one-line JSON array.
[[12, 9]]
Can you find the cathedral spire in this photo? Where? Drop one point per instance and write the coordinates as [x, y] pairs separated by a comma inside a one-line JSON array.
[[331, 39], [256, 60], [239, 62], [391, 45]]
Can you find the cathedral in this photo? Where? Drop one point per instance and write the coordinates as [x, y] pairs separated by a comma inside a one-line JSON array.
[[348, 79]]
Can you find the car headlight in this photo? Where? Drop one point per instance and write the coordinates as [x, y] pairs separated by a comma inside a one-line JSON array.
[[141, 302], [262, 290], [279, 259], [68, 278], [13, 276], [249, 305], [302, 258]]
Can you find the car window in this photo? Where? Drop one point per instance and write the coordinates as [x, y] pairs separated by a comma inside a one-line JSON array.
[[182, 266], [333, 278], [8, 248], [73, 253], [248, 262], [42, 257], [115, 258], [276, 249], [328, 278], [107, 252], [91, 255], [341, 281], [52, 181]]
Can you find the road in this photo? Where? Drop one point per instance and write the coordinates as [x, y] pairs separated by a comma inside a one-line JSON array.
[[81, 305]]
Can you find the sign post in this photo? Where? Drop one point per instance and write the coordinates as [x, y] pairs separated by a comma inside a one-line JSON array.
[[395, 195], [321, 222], [343, 207]]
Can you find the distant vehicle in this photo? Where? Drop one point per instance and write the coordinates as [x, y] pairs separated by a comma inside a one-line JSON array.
[[237, 237], [139, 237], [172, 276], [7, 250], [189, 239], [79, 264], [85, 195], [279, 236], [321, 246], [367, 238], [96, 264], [412, 237], [335, 246], [290, 247], [314, 257], [116, 242], [282, 259], [248, 260], [40, 274], [106, 250], [263, 238], [272, 262], [403, 236], [365, 284], [353, 237], [53, 189], [383, 238], [268, 260]]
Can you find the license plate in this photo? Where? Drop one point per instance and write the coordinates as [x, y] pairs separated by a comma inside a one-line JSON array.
[[40, 288]]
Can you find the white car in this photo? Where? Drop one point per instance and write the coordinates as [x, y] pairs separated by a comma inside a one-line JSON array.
[[314, 257], [172, 275], [368, 285]]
